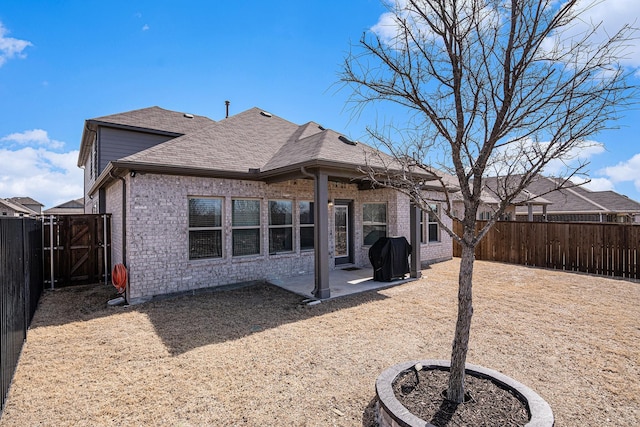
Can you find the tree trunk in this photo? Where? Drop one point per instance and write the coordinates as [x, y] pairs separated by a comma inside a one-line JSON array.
[[455, 391]]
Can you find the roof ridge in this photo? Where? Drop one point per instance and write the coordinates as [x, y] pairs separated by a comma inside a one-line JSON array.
[[585, 198]]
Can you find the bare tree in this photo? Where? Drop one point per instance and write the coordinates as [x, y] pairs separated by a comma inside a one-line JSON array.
[[486, 88]]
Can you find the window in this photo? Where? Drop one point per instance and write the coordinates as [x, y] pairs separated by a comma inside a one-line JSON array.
[[484, 216], [306, 225], [374, 222], [245, 222], [205, 228], [432, 232], [280, 226]]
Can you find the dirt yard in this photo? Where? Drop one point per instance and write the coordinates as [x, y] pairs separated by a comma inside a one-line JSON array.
[[257, 357]]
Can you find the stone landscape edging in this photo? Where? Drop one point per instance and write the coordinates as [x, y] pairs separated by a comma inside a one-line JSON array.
[[391, 413]]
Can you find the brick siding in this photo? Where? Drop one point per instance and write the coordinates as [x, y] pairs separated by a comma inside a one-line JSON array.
[[157, 231]]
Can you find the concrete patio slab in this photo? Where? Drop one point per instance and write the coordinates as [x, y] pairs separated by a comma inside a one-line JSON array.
[[342, 282]]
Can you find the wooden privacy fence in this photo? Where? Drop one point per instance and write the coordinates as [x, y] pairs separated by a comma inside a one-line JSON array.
[[20, 289], [76, 249], [604, 249]]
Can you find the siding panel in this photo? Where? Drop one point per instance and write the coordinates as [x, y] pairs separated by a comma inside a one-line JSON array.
[[118, 143]]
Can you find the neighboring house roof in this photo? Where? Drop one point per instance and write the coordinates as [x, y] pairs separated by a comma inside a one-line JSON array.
[[488, 196], [253, 144], [17, 207], [25, 201], [572, 198], [151, 119], [70, 207], [578, 199], [616, 202]]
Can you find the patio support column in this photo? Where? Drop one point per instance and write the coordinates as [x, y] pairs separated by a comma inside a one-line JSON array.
[[530, 212], [414, 230], [321, 234]]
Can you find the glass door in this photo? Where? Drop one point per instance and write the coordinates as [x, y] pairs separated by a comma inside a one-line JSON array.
[[342, 234]]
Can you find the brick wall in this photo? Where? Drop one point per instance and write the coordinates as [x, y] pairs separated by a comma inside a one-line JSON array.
[[441, 250], [157, 231]]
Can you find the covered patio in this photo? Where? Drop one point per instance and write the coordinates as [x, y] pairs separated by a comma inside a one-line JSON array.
[[342, 282]]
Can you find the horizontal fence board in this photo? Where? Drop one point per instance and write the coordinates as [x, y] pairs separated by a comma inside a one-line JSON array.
[[594, 248]]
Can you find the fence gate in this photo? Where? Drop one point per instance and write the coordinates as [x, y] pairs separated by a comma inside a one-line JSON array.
[[76, 249]]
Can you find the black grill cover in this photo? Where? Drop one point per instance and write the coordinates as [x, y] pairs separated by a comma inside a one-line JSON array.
[[389, 257]]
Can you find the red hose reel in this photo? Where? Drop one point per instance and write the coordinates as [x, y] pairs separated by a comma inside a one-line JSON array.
[[119, 277]]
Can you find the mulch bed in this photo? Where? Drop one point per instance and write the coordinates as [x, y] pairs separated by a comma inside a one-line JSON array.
[[486, 404]]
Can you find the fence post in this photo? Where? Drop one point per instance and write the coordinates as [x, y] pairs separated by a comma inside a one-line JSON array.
[[26, 281], [104, 247], [51, 250]]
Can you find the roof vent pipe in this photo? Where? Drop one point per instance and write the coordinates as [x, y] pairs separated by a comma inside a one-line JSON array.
[[226, 103]]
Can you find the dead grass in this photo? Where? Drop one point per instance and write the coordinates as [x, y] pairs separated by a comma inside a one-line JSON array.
[[256, 356]]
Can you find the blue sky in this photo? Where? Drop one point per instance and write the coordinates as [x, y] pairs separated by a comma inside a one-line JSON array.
[[64, 62]]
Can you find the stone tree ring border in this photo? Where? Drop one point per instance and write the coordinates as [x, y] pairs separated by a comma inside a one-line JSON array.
[[390, 412]]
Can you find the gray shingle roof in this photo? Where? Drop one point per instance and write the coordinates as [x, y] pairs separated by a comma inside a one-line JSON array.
[[151, 119], [156, 118], [579, 199], [25, 201], [75, 206], [255, 140], [16, 206], [613, 201]]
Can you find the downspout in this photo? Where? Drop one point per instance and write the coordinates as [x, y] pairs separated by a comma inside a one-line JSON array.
[[304, 172], [124, 216]]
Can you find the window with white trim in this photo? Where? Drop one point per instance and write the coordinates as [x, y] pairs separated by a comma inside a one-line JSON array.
[[307, 226], [205, 227], [484, 216], [245, 227], [374, 222], [280, 226], [430, 233]]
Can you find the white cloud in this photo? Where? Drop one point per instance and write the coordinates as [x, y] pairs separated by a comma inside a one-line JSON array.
[[595, 184], [386, 28], [579, 154], [145, 27], [34, 166], [627, 171], [10, 47], [50, 178], [389, 25], [611, 16], [37, 137]]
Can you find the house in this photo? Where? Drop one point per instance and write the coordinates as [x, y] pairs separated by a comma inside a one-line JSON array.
[[28, 203], [573, 203], [576, 203], [11, 207], [72, 207], [198, 203], [489, 204]]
